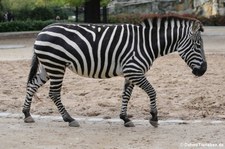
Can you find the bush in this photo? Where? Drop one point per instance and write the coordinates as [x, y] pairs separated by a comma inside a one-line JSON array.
[[42, 13], [24, 25], [22, 14]]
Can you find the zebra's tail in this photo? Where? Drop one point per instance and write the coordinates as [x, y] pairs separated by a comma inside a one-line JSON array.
[[34, 68]]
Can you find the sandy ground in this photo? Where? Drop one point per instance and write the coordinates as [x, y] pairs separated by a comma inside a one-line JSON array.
[[56, 135], [180, 95]]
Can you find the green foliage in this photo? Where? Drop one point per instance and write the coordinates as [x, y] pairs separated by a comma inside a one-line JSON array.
[[22, 14], [42, 13], [75, 3], [14, 5], [1, 5], [30, 4], [50, 3], [24, 25], [81, 2], [104, 2], [41, 9]]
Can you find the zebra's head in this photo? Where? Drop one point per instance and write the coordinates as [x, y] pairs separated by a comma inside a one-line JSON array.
[[191, 49]]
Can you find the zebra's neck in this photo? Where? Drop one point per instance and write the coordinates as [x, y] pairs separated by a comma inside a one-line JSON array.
[[161, 36]]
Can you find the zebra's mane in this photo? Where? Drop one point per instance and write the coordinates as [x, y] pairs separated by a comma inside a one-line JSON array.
[[165, 17]]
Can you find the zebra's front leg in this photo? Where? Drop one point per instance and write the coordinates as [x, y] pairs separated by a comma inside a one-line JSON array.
[[137, 78], [128, 87], [147, 87], [55, 89]]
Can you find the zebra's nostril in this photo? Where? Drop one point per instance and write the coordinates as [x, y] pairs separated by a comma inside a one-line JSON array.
[[204, 66], [200, 71]]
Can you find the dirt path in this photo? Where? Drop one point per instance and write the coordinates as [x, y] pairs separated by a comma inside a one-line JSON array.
[[56, 135]]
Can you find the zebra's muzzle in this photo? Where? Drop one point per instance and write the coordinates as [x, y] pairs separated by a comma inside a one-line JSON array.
[[201, 70]]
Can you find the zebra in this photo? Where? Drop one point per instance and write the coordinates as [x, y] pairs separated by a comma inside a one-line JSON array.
[[105, 51]]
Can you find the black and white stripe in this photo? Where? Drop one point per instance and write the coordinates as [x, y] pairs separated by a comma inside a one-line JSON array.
[[104, 51]]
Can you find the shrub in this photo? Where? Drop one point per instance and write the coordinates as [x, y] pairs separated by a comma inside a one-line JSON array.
[[24, 25], [22, 14], [42, 13]]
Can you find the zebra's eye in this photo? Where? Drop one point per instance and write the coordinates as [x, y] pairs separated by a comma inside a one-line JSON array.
[[193, 38], [196, 41]]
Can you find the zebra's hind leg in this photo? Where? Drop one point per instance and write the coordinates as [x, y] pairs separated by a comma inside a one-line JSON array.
[[32, 86], [54, 93], [128, 87]]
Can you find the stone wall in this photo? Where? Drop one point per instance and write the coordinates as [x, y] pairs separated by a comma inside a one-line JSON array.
[[142, 6], [209, 7], [200, 7]]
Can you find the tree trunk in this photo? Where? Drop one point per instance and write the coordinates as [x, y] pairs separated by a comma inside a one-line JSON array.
[[104, 12], [77, 14], [92, 11]]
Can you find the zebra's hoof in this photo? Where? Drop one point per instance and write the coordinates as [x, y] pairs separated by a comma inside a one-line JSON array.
[[74, 124], [29, 119], [129, 124], [154, 123]]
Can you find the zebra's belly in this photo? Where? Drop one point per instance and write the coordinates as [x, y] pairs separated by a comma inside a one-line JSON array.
[[101, 73], [91, 70]]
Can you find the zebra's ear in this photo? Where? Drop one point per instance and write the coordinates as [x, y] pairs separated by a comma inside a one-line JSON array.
[[197, 26]]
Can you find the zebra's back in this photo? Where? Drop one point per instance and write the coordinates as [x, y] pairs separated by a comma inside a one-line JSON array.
[[96, 51]]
